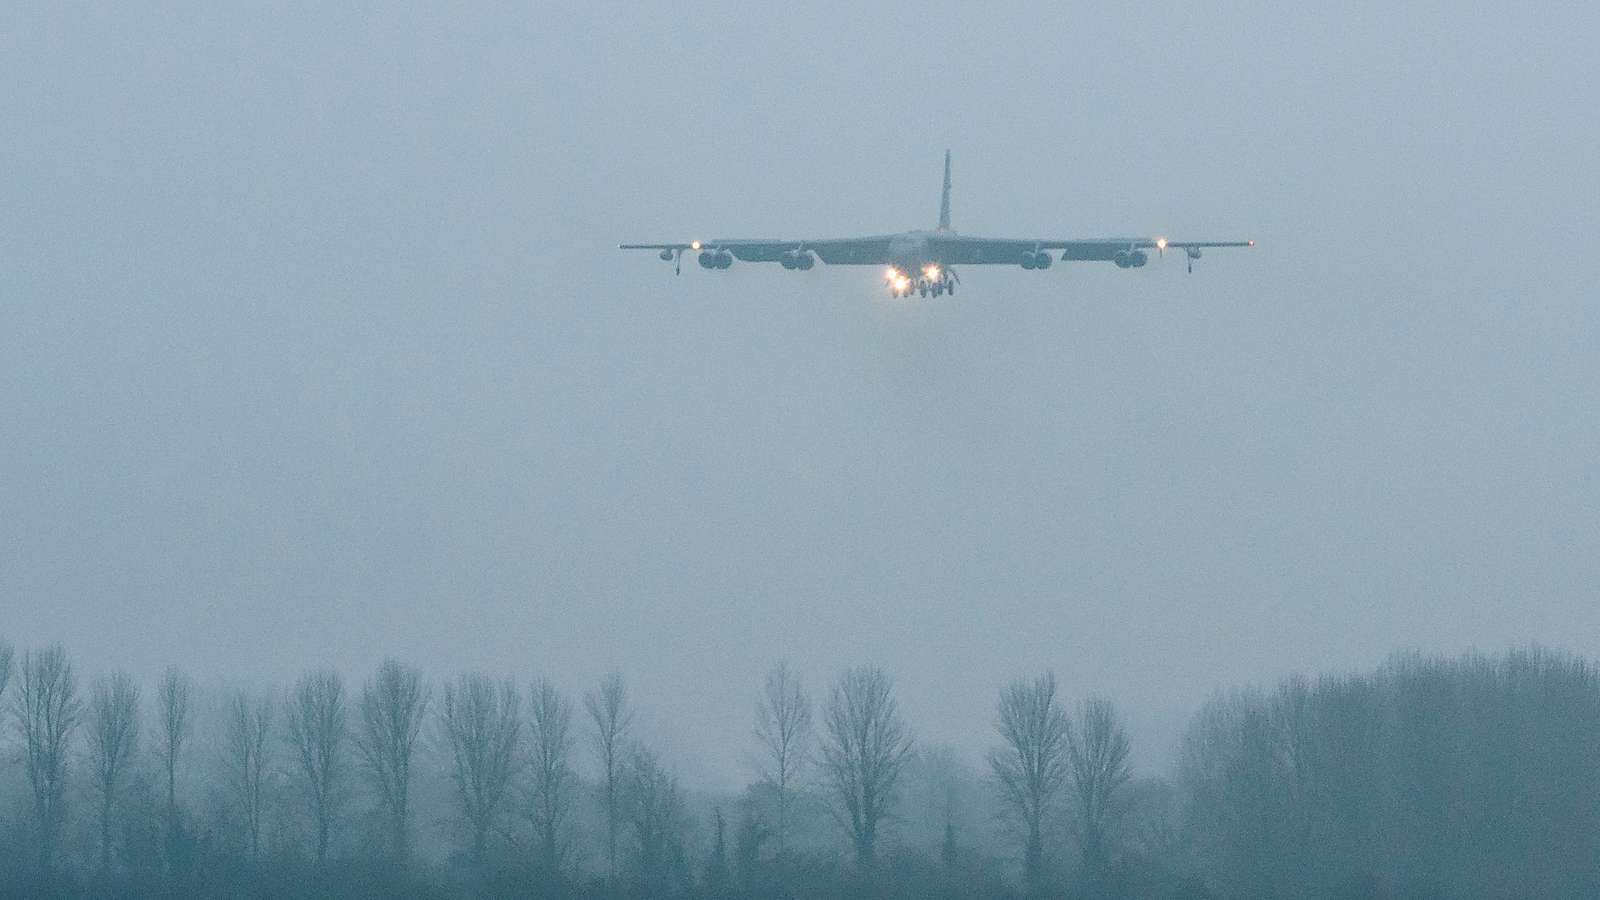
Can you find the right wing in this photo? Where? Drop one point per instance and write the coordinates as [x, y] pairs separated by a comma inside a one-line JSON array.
[[833, 251]]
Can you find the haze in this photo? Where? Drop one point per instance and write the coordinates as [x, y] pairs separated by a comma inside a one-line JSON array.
[[315, 347]]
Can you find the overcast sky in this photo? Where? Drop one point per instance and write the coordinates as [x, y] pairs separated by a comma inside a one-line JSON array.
[[315, 347]]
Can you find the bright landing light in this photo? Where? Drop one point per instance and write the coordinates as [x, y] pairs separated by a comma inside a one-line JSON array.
[[1161, 243], [891, 273], [694, 245], [932, 272]]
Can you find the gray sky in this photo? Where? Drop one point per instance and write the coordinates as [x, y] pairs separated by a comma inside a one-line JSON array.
[[315, 347]]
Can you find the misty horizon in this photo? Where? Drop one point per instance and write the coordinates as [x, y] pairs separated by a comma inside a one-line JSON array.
[[316, 348]]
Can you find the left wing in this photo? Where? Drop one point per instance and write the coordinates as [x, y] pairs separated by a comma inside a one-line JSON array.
[[1125, 251]]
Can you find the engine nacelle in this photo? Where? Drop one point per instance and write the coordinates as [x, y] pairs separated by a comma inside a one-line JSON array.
[[1030, 260], [1130, 259], [1042, 259], [715, 259], [804, 261], [666, 255]]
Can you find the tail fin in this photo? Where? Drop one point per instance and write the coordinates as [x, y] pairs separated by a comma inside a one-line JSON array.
[[944, 201]]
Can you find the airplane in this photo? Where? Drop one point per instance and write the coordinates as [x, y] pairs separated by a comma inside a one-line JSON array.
[[924, 262]]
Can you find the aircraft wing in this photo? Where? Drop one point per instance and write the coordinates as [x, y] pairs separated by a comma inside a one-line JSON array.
[[872, 250], [956, 249]]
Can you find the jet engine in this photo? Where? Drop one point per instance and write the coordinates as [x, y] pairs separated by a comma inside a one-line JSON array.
[[1130, 259], [715, 259], [798, 259]]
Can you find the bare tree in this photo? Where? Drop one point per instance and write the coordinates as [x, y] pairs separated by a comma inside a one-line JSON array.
[[393, 703], [1098, 750], [863, 755], [1033, 766], [783, 726], [249, 723], [655, 808], [173, 696], [5, 667], [482, 723], [48, 710], [552, 790], [608, 710], [113, 742], [317, 729]]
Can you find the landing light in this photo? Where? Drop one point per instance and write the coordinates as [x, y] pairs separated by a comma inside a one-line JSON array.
[[694, 245], [891, 273], [1161, 243], [932, 272]]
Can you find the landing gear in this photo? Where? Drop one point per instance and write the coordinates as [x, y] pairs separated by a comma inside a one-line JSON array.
[[934, 281]]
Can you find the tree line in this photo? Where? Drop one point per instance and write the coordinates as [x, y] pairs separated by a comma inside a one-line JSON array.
[[1429, 777]]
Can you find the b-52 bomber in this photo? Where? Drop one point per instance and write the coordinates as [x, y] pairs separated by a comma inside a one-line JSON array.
[[923, 262]]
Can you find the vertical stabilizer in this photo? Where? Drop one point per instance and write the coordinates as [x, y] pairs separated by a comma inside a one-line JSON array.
[[944, 200]]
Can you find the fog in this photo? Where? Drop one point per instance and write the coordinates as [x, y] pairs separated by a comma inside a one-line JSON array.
[[315, 348]]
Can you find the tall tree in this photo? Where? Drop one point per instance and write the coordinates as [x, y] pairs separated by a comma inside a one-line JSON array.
[[317, 729], [718, 876], [482, 722], [246, 747], [5, 667], [864, 753], [1032, 767], [113, 743], [48, 710], [783, 727], [654, 806], [1098, 751], [553, 784], [172, 694], [612, 718], [393, 702]]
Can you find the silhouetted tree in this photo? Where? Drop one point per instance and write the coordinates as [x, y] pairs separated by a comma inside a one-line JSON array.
[[113, 743], [747, 843], [783, 726], [553, 785], [655, 808], [48, 710], [1033, 766], [866, 747], [1098, 750], [5, 667], [718, 877], [608, 710], [317, 730], [482, 723], [172, 697], [393, 703], [246, 763]]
